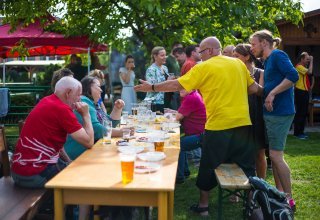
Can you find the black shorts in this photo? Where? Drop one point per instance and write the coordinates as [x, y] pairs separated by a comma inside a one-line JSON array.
[[233, 145]]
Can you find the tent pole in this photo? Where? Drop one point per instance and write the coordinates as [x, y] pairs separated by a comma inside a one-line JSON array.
[[89, 61], [3, 72]]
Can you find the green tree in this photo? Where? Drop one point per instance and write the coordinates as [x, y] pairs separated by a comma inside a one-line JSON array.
[[156, 22]]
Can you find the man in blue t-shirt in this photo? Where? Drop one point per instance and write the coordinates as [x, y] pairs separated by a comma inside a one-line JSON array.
[[279, 78]]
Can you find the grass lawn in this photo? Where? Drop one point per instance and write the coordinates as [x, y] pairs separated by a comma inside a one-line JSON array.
[[303, 157]]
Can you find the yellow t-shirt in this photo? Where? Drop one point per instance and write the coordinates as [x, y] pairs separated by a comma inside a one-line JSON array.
[[223, 83], [302, 82]]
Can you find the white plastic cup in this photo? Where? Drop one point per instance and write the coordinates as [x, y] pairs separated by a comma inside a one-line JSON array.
[[107, 132]]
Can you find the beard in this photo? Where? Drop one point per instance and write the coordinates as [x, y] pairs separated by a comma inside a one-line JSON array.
[[258, 54]]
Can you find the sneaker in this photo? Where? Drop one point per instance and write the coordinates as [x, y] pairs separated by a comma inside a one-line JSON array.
[[292, 204]]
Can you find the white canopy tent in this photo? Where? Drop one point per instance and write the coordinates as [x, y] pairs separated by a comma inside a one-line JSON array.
[[29, 65]]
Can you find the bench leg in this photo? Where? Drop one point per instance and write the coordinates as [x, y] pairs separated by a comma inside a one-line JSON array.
[[220, 203], [245, 204]]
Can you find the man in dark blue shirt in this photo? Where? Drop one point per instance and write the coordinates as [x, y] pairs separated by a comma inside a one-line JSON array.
[[279, 78]]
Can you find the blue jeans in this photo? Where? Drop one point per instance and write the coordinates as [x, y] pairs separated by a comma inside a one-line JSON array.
[[187, 143], [39, 180]]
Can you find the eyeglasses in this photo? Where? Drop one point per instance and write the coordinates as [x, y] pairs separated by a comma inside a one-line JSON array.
[[203, 50], [200, 52]]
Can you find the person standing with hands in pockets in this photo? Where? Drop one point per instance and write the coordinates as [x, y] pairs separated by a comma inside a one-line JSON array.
[[127, 76]]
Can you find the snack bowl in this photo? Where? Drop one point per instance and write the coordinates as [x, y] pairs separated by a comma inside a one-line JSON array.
[[146, 167]]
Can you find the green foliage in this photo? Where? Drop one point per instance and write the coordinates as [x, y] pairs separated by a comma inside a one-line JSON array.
[[157, 22], [22, 100], [44, 78]]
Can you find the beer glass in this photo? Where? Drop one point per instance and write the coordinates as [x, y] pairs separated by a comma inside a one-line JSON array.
[[127, 166]]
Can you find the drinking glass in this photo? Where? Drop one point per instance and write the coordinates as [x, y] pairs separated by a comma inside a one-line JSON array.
[[107, 132], [134, 109], [126, 134], [124, 117], [127, 166], [159, 141]]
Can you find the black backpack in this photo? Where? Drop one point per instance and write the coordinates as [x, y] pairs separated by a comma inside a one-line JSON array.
[[273, 203]]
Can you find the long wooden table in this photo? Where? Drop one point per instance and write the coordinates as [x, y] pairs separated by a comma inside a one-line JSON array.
[[95, 178]]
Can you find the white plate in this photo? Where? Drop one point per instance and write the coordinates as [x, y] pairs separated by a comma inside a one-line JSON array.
[[146, 167], [151, 156], [130, 149], [170, 125]]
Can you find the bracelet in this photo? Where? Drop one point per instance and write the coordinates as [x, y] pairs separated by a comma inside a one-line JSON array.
[[152, 87]]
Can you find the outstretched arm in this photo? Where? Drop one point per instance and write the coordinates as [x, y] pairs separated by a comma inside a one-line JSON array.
[[166, 86]]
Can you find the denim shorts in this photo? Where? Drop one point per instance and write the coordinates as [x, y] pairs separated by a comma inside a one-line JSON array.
[[39, 180], [277, 130]]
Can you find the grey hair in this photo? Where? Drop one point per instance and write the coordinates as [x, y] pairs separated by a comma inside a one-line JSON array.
[[65, 83]]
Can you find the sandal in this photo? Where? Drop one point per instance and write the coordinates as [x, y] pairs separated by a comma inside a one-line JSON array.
[[234, 199], [199, 210]]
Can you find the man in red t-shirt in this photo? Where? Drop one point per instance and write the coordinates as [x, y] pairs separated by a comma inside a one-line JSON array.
[[192, 114], [193, 57], [36, 158]]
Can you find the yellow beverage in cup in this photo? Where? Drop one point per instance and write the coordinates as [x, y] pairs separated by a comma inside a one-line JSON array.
[[127, 171], [159, 145], [127, 167]]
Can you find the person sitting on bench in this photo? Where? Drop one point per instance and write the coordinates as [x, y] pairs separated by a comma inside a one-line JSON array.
[[37, 155]]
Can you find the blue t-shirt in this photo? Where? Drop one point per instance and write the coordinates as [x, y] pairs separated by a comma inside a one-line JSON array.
[[277, 68]]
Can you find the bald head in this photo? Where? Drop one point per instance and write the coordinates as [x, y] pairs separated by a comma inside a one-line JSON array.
[[228, 51], [68, 90], [211, 42], [210, 47]]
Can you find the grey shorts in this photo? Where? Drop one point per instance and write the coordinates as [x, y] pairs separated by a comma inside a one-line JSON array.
[[277, 130]]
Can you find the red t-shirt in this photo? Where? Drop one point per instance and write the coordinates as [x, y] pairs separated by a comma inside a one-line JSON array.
[[187, 66], [194, 112], [43, 135]]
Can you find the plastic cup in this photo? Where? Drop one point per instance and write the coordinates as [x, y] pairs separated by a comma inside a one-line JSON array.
[[107, 132], [126, 134], [159, 141], [159, 145], [127, 166], [124, 118], [134, 108]]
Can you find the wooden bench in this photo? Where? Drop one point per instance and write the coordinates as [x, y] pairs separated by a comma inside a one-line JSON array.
[[16, 202], [314, 108], [233, 181]]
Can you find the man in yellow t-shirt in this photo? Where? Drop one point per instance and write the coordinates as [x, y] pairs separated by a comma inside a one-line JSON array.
[[224, 83], [301, 94]]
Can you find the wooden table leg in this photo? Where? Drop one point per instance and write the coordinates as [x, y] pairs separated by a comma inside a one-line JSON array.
[[58, 205], [96, 209], [170, 205], [162, 206]]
